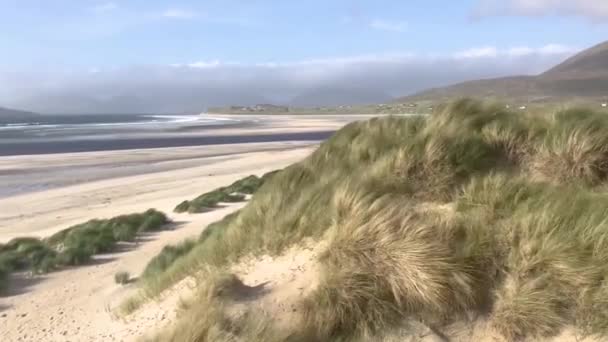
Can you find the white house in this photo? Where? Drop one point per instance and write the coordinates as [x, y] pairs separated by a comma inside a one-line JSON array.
[[604, 105], [522, 107]]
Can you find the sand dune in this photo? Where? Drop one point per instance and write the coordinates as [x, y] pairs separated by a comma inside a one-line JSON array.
[[75, 304]]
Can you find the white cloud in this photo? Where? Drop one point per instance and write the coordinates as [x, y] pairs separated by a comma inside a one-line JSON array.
[[482, 52], [557, 49], [593, 9], [520, 51], [176, 13], [515, 52], [388, 25], [203, 65], [105, 7], [192, 86]]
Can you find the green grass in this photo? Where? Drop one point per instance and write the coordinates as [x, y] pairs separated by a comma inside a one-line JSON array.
[[173, 263], [233, 193], [75, 245], [211, 323], [473, 210], [122, 278], [166, 258]]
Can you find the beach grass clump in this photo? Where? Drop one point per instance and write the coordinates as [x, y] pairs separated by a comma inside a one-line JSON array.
[[208, 201], [76, 245], [176, 261], [473, 210], [235, 192], [80, 242], [32, 254], [207, 320], [166, 258], [122, 278], [4, 278]]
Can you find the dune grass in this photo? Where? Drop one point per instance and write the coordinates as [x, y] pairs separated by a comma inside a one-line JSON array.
[[211, 323], [166, 258], [474, 210], [122, 278], [233, 193], [75, 245]]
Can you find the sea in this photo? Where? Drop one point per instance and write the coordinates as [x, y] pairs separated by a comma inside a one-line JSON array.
[[46, 134], [49, 126]]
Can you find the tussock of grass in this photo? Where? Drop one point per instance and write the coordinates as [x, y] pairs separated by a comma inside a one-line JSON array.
[[523, 241], [75, 245], [212, 323], [233, 193], [166, 258], [122, 278], [4, 275]]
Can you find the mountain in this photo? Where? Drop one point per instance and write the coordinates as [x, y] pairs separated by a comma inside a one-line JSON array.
[[14, 116], [162, 99], [584, 75], [336, 96]]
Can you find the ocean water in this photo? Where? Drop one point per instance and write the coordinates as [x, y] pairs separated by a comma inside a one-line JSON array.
[[83, 133], [71, 126]]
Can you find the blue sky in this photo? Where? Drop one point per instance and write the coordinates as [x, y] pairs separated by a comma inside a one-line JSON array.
[[90, 33], [57, 45]]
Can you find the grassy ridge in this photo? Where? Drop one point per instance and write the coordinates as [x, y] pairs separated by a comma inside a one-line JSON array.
[[233, 193], [75, 245], [174, 262], [163, 270], [473, 210]]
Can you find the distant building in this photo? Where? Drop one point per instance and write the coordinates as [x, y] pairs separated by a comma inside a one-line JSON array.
[[604, 105], [523, 107]]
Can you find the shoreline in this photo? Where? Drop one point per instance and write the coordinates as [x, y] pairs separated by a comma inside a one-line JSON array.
[[152, 182], [237, 130], [21, 175], [75, 304], [8, 149]]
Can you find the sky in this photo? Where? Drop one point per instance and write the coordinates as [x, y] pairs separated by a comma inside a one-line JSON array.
[[180, 56]]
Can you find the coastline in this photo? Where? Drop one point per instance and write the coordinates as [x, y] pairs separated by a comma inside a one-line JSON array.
[[106, 184], [46, 193], [239, 129], [141, 143], [20, 175], [76, 303]]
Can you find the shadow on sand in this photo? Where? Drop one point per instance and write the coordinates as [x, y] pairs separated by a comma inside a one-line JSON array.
[[20, 283]]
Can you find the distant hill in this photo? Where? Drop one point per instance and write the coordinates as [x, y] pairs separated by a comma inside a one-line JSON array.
[[334, 96], [14, 116], [583, 76]]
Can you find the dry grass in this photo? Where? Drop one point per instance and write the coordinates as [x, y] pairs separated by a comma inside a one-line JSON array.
[[525, 246], [383, 267], [207, 319]]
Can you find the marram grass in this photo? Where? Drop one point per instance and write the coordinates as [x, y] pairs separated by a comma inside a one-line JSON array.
[[472, 211]]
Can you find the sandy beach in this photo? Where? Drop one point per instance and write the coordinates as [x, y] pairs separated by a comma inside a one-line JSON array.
[[43, 194], [75, 304]]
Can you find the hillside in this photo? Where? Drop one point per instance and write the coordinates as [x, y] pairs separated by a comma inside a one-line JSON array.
[[583, 76], [14, 116], [474, 224], [337, 96]]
